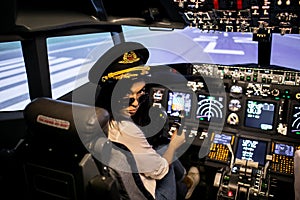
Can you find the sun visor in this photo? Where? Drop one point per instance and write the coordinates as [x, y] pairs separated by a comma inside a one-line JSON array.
[[105, 15], [154, 13]]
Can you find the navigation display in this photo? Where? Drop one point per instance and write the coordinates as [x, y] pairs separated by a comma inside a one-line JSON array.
[[210, 108], [260, 114], [295, 121]]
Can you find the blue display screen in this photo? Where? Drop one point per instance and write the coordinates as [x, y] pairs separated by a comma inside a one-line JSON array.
[[251, 149], [179, 103]]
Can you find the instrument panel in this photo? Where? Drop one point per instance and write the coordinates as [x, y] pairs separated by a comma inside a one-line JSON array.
[[260, 17], [242, 113]]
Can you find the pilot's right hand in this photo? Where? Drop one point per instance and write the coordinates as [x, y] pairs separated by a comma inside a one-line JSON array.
[[177, 139]]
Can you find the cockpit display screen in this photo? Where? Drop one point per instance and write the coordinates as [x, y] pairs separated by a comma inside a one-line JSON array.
[[284, 149], [179, 103], [210, 108], [251, 149], [295, 121], [260, 114], [222, 139]]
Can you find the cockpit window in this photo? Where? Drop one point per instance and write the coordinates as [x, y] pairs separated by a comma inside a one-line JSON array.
[[14, 92], [285, 50], [193, 45], [71, 57]]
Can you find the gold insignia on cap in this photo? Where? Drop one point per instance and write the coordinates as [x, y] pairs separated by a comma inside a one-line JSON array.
[[129, 57], [127, 73]]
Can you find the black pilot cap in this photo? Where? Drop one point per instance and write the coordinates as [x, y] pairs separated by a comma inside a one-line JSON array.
[[123, 60]]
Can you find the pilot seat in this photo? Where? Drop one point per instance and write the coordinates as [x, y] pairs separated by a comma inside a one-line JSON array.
[[67, 156]]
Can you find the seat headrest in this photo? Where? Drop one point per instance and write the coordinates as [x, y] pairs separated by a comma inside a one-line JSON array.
[[50, 119]]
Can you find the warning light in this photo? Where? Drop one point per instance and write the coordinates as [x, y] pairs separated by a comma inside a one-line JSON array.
[[230, 193]]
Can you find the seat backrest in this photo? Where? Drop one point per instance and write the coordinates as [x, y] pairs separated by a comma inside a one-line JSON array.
[[63, 136], [57, 163], [59, 124]]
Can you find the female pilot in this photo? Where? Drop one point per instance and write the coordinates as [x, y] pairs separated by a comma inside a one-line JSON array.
[[122, 94]]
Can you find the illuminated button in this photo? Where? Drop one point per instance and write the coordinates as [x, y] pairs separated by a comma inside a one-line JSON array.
[[230, 193], [233, 119], [234, 105]]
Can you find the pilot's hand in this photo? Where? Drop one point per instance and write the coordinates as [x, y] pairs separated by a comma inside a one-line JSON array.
[[177, 139]]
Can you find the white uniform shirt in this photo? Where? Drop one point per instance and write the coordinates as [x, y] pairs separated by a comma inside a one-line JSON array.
[[151, 166]]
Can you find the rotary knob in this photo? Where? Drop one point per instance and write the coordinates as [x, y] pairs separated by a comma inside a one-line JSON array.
[[275, 92]]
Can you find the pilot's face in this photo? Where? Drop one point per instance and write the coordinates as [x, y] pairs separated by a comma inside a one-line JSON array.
[[133, 98]]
